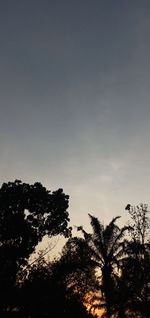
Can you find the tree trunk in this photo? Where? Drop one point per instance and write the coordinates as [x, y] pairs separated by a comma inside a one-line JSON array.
[[107, 289]]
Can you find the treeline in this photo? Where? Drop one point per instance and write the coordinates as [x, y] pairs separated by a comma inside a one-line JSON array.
[[106, 269]]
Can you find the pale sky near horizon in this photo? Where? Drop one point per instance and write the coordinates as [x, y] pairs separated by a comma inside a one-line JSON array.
[[74, 101]]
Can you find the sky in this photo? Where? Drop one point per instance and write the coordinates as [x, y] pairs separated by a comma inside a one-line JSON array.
[[74, 101]]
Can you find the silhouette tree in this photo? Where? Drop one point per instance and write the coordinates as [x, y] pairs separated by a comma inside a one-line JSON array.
[[136, 267], [80, 268], [49, 291], [140, 222], [27, 213], [106, 247]]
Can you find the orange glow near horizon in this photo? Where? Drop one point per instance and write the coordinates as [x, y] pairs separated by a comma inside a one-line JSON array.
[[89, 302]]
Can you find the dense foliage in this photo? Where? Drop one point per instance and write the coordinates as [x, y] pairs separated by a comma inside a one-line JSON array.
[[27, 214], [111, 263]]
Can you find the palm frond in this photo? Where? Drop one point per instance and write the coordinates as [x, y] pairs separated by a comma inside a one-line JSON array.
[[116, 243], [96, 254], [97, 237], [110, 233], [97, 227]]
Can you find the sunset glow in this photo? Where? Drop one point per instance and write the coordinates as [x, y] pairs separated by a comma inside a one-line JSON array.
[[90, 304]]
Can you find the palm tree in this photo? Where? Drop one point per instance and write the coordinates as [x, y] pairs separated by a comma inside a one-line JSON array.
[[106, 247]]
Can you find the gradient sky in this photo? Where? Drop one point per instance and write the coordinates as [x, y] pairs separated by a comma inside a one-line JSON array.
[[74, 100]]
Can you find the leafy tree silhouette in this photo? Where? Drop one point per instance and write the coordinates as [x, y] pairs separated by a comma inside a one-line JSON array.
[[135, 269], [27, 213], [58, 288], [80, 269], [48, 292]]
